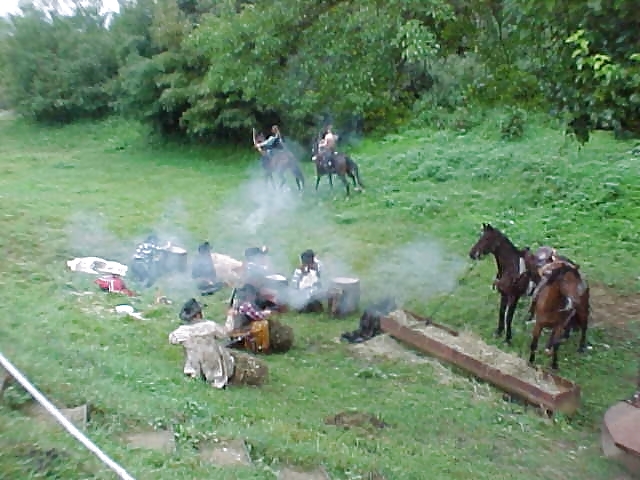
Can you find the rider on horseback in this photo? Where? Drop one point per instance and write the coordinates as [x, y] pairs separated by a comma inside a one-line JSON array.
[[275, 141], [328, 143]]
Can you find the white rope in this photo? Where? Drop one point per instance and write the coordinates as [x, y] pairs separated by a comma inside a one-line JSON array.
[[13, 371]]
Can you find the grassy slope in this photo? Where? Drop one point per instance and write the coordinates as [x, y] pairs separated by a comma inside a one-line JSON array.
[[94, 189]]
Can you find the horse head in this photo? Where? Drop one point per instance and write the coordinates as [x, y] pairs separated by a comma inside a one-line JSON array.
[[490, 239]]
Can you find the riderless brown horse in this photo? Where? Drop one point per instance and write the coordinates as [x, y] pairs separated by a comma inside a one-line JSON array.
[[561, 304], [279, 161], [341, 165], [513, 278]]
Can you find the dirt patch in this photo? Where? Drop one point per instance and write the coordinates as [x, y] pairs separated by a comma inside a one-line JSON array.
[[225, 453], [292, 473], [609, 308], [76, 415], [160, 440], [354, 419]]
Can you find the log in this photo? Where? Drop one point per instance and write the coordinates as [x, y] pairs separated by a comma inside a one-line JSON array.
[[344, 296]]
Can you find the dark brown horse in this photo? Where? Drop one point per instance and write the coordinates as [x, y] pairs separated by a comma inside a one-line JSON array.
[[561, 305], [513, 278], [278, 161], [341, 165]]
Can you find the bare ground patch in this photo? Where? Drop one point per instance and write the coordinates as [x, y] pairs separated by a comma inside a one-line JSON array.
[[355, 419], [225, 453], [160, 440], [293, 473], [609, 308]]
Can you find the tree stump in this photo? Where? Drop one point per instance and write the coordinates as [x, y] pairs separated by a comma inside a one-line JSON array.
[[344, 296], [619, 437]]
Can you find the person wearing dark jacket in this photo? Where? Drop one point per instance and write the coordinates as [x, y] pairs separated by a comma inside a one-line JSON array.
[[204, 272]]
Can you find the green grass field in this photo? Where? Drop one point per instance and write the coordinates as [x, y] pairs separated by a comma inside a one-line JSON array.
[[97, 189]]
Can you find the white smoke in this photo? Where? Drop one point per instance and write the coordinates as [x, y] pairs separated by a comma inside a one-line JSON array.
[[419, 270]]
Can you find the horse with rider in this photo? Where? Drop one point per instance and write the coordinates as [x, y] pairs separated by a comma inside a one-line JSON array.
[[329, 161], [277, 158]]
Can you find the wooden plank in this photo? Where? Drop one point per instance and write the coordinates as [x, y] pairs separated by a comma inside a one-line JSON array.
[[566, 401]]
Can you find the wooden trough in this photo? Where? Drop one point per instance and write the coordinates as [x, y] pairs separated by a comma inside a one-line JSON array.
[[566, 400]]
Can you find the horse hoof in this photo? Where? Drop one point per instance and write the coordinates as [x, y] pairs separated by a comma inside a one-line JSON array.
[[507, 341], [547, 351], [497, 333]]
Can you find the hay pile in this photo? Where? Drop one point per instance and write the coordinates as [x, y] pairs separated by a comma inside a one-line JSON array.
[[248, 370], [280, 337], [474, 347]]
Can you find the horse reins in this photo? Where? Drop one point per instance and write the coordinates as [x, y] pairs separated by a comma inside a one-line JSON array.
[[460, 280]]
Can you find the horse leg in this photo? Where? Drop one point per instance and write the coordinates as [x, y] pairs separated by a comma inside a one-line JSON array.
[[582, 319], [343, 178], [317, 181], [353, 179], [554, 357], [501, 315], [512, 304], [283, 180], [331, 181], [554, 346], [535, 337]]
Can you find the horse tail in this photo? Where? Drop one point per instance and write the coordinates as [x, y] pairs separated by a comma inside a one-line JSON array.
[[353, 166]]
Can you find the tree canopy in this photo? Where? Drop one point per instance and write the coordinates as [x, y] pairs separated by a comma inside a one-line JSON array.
[[204, 69]]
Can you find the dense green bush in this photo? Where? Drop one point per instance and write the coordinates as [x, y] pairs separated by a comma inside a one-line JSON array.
[[206, 69], [58, 68]]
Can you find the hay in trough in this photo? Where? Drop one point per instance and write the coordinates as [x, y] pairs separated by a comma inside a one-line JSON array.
[[472, 346]]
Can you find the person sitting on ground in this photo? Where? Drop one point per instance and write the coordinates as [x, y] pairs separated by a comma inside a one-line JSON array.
[[272, 143], [309, 264], [145, 261], [191, 311], [306, 280], [245, 309], [247, 324], [204, 272]]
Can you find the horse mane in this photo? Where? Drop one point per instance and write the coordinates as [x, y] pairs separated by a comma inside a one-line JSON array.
[[509, 242]]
